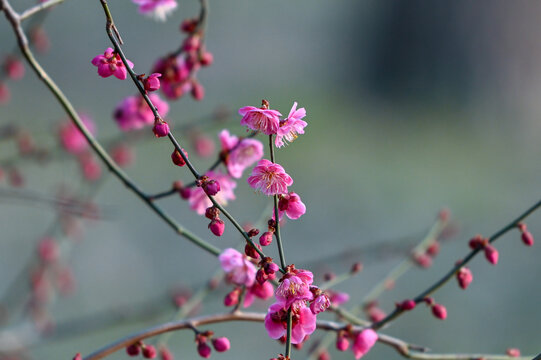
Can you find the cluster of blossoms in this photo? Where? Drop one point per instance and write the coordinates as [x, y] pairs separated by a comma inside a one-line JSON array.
[[296, 294], [133, 112], [241, 271], [178, 70]]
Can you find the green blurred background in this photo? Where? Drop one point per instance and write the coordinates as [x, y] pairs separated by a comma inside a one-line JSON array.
[[412, 106]]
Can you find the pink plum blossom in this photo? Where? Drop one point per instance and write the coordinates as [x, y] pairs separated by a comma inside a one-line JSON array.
[[158, 9], [269, 178], [199, 201], [71, 138], [320, 304], [239, 269], [291, 205], [294, 286], [239, 153], [291, 127], [303, 321], [260, 119], [262, 291], [110, 63], [338, 298], [175, 76], [134, 113], [364, 341]]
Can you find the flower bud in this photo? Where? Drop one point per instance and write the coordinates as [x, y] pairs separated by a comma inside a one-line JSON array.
[[204, 350], [133, 349], [527, 238], [439, 311], [407, 305], [217, 226], [221, 344], [513, 352], [266, 238], [206, 59], [212, 212], [149, 352], [165, 353], [251, 252], [198, 91], [232, 298], [161, 128], [433, 249], [491, 254], [342, 342], [177, 158], [152, 83], [78, 357], [211, 187], [464, 277]]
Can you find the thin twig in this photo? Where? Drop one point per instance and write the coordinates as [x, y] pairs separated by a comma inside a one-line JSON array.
[[35, 9], [513, 224]]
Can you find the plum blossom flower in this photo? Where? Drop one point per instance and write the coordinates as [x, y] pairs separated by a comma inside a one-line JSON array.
[[199, 201], [294, 286], [175, 79], [239, 269], [110, 63], [158, 9], [262, 291], [291, 127], [134, 113], [291, 205], [260, 119], [239, 153], [71, 138], [364, 341], [269, 178], [303, 321]]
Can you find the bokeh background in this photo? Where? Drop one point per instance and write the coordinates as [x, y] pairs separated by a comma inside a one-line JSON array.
[[412, 106]]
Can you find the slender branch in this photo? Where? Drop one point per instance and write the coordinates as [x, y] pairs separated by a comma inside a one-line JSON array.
[[513, 224], [14, 19], [35, 9], [399, 345]]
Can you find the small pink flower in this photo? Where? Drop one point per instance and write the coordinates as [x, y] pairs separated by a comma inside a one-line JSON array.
[[291, 205], [239, 269], [320, 304], [134, 113], [464, 277], [304, 322], [158, 9], [294, 285], [71, 138], [152, 83], [262, 291], [260, 119], [291, 127], [199, 201], [338, 298], [364, 341], [175, 76], [239, 154], [110, 63], [269, 178]]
